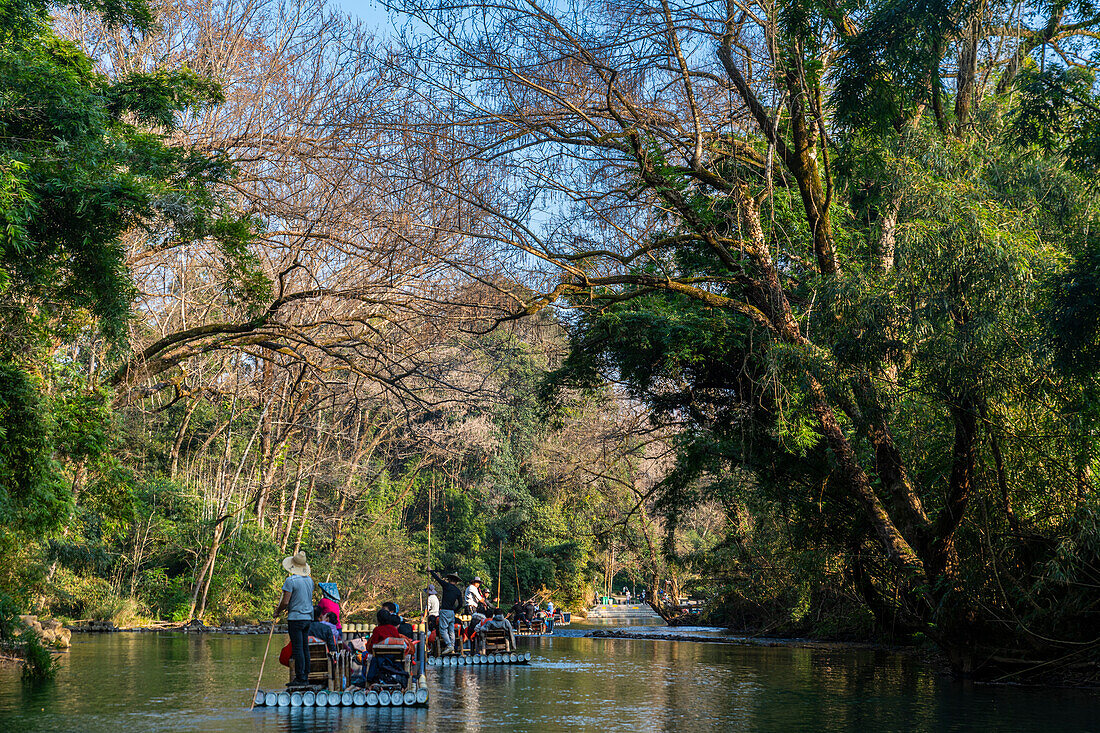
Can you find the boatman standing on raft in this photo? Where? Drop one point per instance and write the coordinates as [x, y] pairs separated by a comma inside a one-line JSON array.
[[475, 602], [451, 602], [297, 600], [432, 613]]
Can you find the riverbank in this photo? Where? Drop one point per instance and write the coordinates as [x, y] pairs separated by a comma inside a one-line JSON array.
[[191, 627]]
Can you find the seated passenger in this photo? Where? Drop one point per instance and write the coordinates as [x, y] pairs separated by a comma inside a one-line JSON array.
[[470, 632], [382, 668], [386, 631], [329, 620], [496, 622], [403, 626], [322, 631]]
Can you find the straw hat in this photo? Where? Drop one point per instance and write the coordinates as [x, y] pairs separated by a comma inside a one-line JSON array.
[[475, 580], [452, 576], [296, 564]]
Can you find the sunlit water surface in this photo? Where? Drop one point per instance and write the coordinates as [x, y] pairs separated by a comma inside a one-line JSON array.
[[175, 682]]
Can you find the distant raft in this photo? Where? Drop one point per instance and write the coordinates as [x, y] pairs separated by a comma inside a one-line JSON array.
[[479, 660]]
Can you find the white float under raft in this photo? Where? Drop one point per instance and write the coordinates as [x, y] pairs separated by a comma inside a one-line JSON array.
[[479, 660], [415, 696]]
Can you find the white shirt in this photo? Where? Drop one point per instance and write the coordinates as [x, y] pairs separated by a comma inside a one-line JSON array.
[[473, 596], [433, 605]]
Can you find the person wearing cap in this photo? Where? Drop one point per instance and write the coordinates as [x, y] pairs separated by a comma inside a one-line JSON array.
[[449, 604], [297, 601], [432, 613], [474, 600]]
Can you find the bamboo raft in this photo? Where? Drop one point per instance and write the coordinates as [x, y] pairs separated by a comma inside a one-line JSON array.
[[532, 632], [497, 650], [533, 628], [335, 673]]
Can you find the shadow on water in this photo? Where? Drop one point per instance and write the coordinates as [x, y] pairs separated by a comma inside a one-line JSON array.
[[175, 682]]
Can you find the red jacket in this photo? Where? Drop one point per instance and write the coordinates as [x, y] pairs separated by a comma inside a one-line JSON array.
[[382, 632]]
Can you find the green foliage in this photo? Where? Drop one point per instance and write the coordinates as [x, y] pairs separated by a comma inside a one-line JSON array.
[[1058, 111], [85, 160], [39, 663], [1075, 313], [892, 65], [80, 167], [964, 321], [32, 494], [9, 617]]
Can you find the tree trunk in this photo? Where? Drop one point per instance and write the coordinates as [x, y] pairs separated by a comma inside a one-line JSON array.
[[967, 71], [177, 445], [197, 589], [848, 468], [211, 564], [267, 458], [305, 515], [1033, 40], [888, 235], [943, 556]]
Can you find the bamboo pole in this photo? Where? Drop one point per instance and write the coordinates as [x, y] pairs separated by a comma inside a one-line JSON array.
[[500, 560], [515, 567], [263, 661]]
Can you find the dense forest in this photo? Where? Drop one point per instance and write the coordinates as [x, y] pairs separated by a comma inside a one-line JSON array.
[[792, 305]]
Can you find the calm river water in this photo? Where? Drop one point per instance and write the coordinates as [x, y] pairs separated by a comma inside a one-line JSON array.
[[175, 682]]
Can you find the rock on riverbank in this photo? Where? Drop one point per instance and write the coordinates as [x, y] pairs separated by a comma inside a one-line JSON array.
[[50, 631]]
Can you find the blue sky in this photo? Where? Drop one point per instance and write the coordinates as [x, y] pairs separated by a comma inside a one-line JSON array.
[[372, 13]]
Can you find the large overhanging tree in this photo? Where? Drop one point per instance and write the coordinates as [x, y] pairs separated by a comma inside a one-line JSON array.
[[84, 159], [816, 229]]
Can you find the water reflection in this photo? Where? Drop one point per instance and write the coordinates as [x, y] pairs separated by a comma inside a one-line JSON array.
[[328, 720], [139, 682]]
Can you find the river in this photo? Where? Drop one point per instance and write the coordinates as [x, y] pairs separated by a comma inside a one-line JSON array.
[[129, 683]]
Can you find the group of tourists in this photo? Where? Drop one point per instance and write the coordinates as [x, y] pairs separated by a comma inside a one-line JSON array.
[[452, 599], [322, 621], [529, 617]]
